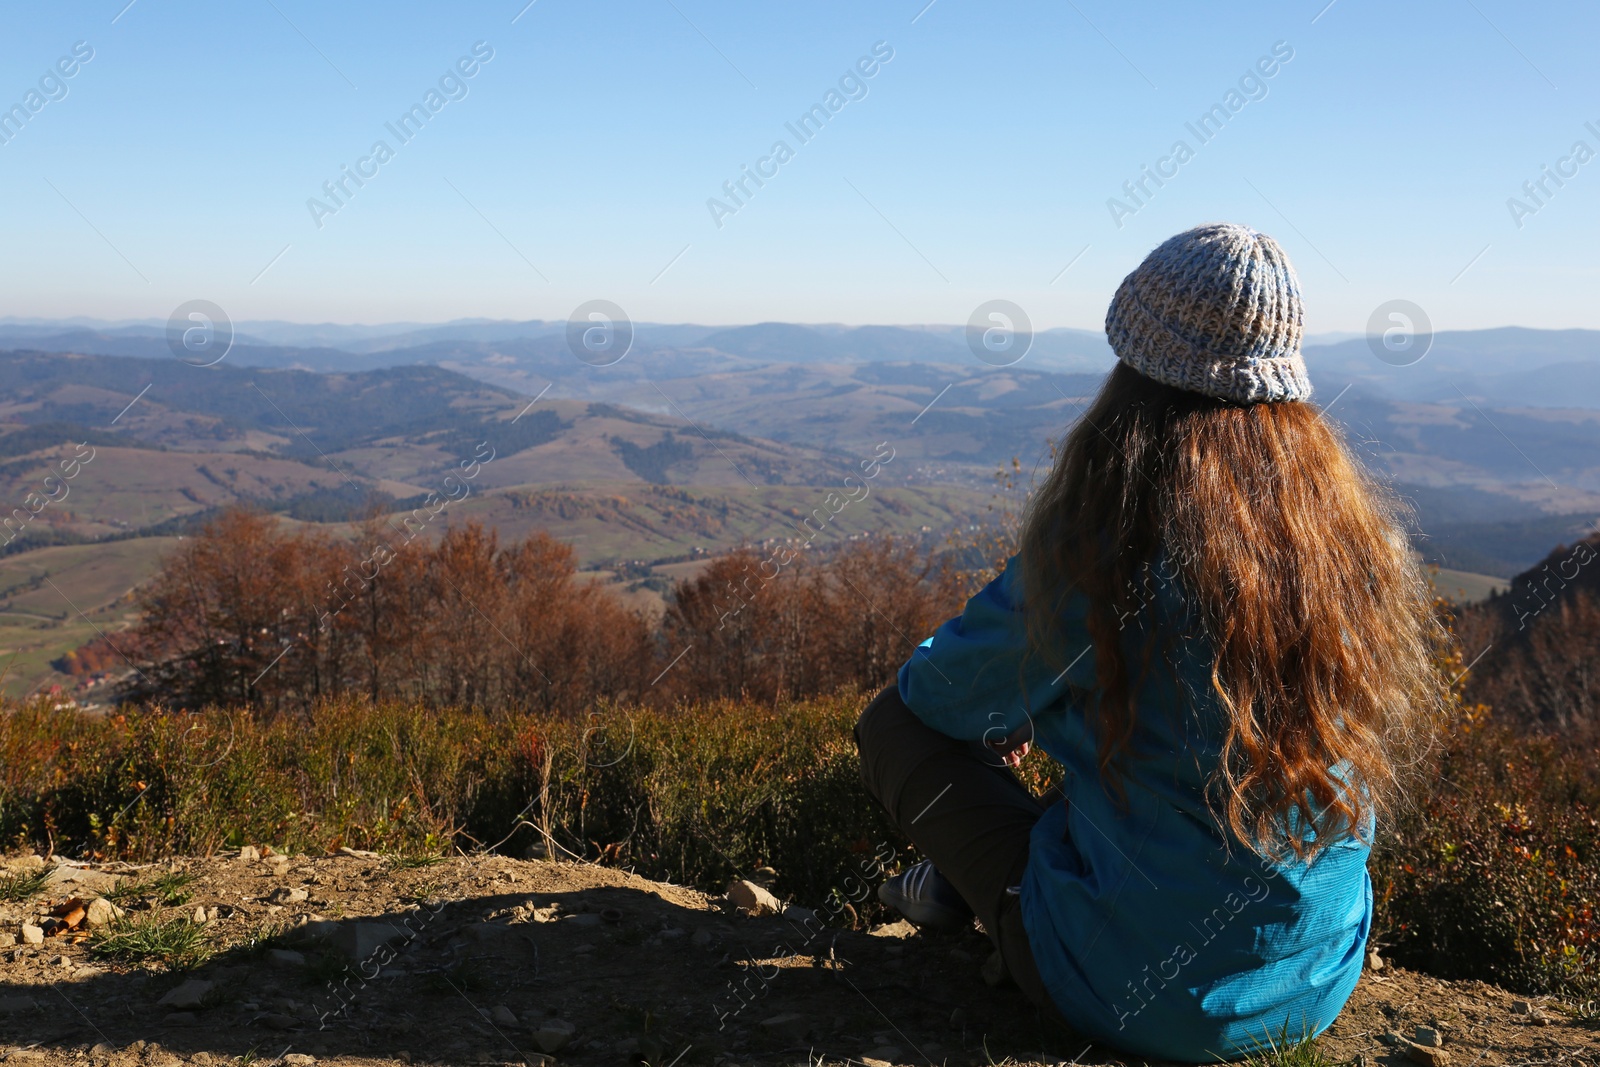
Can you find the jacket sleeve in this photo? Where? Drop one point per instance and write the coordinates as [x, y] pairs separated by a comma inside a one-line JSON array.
[[975, 679]]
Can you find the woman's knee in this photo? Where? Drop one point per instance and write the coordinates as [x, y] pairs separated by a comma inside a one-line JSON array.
[[881, 715]]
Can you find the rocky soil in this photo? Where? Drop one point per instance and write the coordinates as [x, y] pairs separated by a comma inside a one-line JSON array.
[[262, 960]]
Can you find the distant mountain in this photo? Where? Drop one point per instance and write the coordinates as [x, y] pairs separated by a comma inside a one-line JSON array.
[[1507, 366]]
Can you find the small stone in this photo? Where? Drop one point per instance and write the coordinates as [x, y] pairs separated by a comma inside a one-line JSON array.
[[504, 1016], [1427, 1035], [200, 915], [796, 914], [287, 895], [85, 877], [359, 940], [886, 1054], [185, 996], [1394, 1038], [173, 1018], [791, 1024], [582, 919], [753, 901], [894, 929], [11, 1004], [278, 1021], [102, 912], [7, 940], [994, 971], [1374, 961], [102, 1048], [1432, 1057], [299, 1059], [285, 957], [61, 961], [552, 1035], [249, 854], [701, 938], [1521, 1007], [32, 935]]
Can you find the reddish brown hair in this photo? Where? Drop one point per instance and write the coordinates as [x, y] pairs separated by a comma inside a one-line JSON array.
[[1319, 619]]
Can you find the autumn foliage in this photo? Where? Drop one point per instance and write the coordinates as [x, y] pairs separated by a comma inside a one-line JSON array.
[[255, 613]]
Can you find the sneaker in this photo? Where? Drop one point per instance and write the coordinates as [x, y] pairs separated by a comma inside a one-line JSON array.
[[923, 895]]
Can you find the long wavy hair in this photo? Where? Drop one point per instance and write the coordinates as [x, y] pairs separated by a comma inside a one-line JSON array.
[[1295, 564]]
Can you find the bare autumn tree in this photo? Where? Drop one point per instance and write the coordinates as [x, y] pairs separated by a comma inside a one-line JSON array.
[[252, 613], [721, 629], [752, 626], [223, 611], [880, 598]]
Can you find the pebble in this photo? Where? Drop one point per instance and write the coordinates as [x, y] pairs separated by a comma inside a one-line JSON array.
[[1374, 961], [701, 938], [790, 1024], [32, 935], [285, 957], [185, 996], [287, 895], [796, 914], [902, 928], [299, 1059], [583, 919], [101, 912], [249, 854], [7, 940], [504, 1016], [753, 901], [1521, 1007], [1427, 1035], [552, 1035], [1432, 1057]]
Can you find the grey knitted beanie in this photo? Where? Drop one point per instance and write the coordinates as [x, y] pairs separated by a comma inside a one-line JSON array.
[[1215, 310]]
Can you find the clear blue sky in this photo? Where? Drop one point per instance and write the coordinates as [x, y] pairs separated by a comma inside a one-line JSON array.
[[978, 164]]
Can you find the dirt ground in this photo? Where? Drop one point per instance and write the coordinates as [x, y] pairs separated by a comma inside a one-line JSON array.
[[358, 959]]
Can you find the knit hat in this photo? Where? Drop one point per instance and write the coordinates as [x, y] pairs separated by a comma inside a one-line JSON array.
[[1215, 310]]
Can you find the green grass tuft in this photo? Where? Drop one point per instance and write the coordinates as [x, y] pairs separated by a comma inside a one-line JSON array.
[[174, 942], [15, 888], [167, 888], [1286, 1052]]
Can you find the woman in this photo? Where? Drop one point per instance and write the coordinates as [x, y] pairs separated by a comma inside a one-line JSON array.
[[1215, 626]]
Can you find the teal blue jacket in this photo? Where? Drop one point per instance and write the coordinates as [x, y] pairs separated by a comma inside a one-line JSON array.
[[1155, 930]]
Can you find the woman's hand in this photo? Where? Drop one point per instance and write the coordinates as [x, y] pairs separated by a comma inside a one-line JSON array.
[[1012, 747]]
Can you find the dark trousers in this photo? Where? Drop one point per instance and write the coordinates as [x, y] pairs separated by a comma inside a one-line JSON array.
[[964, 810]]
